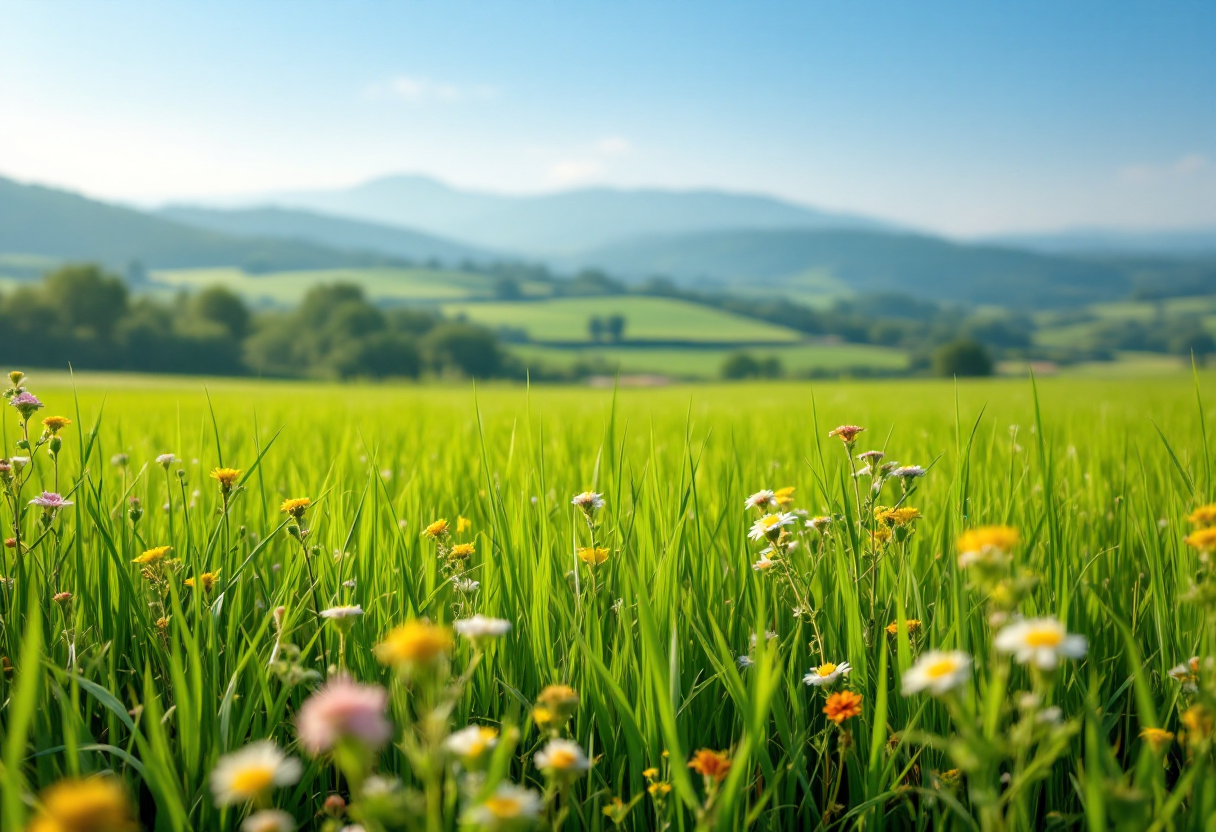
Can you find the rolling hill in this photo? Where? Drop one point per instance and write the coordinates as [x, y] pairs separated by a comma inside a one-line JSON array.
[[335, 232], [559, 223], [52, 223]]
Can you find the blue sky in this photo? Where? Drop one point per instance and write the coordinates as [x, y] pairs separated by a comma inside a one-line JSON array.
[[967, 118]]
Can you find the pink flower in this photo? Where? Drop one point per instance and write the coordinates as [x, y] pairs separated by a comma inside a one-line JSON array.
[[25, 401], [340, 710], [50, 501]]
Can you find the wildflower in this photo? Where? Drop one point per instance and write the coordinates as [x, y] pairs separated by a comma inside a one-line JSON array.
[[166, 460], [1040, 641], [343, 616], [1198, 720], [480, 629], [842, 705], [226, 477], [847, 433], [819, 524], [659, 790], [561, 756], [987, 545], [712, 765], [593, 556], [588, 501], [98, 804], [770, 526], [54, 424], [462, 551], [897, 516], [62, 597], [50, 502], [334, 806], [414, 644], [344, 709], [269, 820], [437, 530], [249, 774], [880, 536], [650, 773], [938, 671], [26, 403], [763, 564], [784, 497], [207, 579], [1157, 738], [471, 744], [826, 673], [120, 460], [295, 506], [509, 807], [745, 662], [871, 457], [466, 585], [153, 556], [556, 703], [760, 499], [908, 472], [1202, 539], [617, 810], [1204, 515], [913, 626], [463, 524], [1187, 674]]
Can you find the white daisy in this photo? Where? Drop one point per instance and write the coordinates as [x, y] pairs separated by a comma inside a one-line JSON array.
[[1187, 674], [588, 501], [269, 820], [908, 472], [562, 756], [937, 671], [764, 563], [252, 772], [1040, 641], [344, 611], [760, 499], [471, 743], [769, 524], [509, 807], [480, 627], [466, 585], [166, 460], [819, 523], [826, 673]]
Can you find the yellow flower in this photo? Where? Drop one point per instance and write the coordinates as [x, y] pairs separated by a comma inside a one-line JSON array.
[[154, 555], [1202, 539], [99, 804], [542, 715], [295, 506], [1202, 516], [913, 626], [714, 765], [842, 705], [463, 524], [227, 477], [414, 643], [593, 556], [984, 538], [659, 789], [784, 496], [881, 536], [557, 703], [897, 516], [437, 529], [54, 424], [650, 773], [208, 580], [462, 551], [1158, 738], [1199, 720]]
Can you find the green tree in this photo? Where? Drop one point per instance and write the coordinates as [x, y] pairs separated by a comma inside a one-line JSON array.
[[470, 349], [595, 328], [740, 365], [614, 328], [90, 301], [224, 307], [963, 357]]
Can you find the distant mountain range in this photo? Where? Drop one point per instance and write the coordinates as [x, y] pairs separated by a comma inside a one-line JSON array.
[[707, 239], [562, 223], [1194, 242]]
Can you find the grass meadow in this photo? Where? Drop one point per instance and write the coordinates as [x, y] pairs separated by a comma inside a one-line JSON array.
[[660, 671]]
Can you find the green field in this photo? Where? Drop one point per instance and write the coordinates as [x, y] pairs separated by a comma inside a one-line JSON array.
[[156, 682], [698, 363], [288, 288], [648, 319]]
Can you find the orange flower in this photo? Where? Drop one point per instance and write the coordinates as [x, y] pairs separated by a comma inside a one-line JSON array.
[[847, 433], [842, 705], [714, 765], [913, 626]]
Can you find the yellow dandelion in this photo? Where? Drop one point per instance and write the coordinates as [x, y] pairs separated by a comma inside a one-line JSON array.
[[54, 424], [462, 551], [784, 497], [593, 556], [1157, 738], [913, 626], [897, 516], [556, 702], [208, 580], [98, 804], [226, 477], [1198, 720], [650, 773], [985, 538], [413, 644], [659, 789], [463, 524], [437, 529], [1204, 515], [296, 506], [1202, 539], [153, 556], [881, 536]]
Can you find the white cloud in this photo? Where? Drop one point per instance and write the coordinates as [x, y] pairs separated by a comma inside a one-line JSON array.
[[1184, 168], [415, 89], [573, 171]]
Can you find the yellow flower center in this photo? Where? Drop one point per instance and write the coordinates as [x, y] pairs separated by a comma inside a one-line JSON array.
[[1044, 638], [561, 758], [253, 780], [826, 669], [940, 668], [503, 807]]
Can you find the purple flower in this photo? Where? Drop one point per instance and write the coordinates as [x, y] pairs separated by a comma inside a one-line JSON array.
[[26, 403], [50, 500]]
